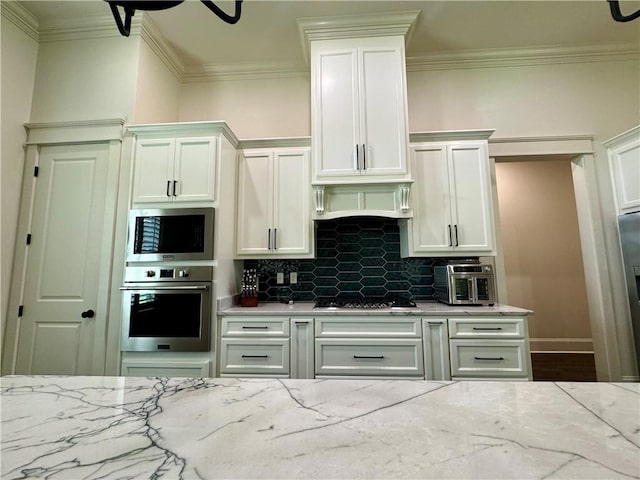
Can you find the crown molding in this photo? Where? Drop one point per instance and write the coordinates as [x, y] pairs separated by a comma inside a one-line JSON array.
[[75, 131], [514, 57], [284, 142], [152, 36], [21, 18], [350, 26], [449, 135], [97, 26], [243, 71]]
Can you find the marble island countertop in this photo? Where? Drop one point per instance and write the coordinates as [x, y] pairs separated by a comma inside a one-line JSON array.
[[421, 309], [117, 427]]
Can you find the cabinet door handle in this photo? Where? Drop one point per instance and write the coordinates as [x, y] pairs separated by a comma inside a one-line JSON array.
[[494, 329], [364, 157], [435, 323], [269, 239], [357, 157], [301, 322], [450, 237], [168, 187], [255, 356], [175, 182], [456, 231], [256, 327], [377, 357], [275, 238], [490, 358]]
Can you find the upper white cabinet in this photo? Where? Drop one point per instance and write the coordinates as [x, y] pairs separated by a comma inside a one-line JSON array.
[[451, 199], [176, 163], [274, 211], [624, 161], [359, 109]]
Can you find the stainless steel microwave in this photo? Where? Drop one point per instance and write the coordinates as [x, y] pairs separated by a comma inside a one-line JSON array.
[[181, 234], [464, 284]]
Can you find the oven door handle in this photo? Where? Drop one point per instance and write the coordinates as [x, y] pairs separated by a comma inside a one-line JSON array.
[[185, 287]]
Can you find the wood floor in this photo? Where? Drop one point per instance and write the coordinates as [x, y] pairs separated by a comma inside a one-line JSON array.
[[563, 367]]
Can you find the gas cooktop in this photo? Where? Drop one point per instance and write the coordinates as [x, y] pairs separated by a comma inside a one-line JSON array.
[[364, 303]]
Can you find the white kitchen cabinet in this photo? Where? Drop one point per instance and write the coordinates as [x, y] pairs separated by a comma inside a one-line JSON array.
[[302, 348], [166, 368], [451, 200], [624, 162], [489, 348], [359, 110], [254, 346], [369, 347], [175, 170], [274, 211], [435, 339]]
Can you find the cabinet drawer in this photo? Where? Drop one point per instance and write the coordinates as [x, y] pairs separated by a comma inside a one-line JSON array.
[[487, 328], [243, 356], [254, 326], [489, 358], [368, 327], [341, 356]]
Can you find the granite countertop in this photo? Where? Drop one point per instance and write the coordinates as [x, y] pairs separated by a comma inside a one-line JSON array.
[[116, 427], [421, 309]]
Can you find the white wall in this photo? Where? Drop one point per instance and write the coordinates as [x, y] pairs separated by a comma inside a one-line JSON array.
[[252, 108], [157, 90], [19, 53], [86, 79]]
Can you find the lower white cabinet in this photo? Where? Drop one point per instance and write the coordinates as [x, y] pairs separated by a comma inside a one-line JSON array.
[[302, 348], [243, 356], [254, 346], [435, 339], [489, 348], [165, 368], [369, 347], [369, 357]]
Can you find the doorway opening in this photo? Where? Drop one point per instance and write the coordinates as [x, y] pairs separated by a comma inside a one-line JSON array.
[[543, 263]]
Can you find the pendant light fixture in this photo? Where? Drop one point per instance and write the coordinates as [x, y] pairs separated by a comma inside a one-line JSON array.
[[130, 8]]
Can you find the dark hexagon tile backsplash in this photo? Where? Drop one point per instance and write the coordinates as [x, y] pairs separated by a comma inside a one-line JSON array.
[[356, 256]]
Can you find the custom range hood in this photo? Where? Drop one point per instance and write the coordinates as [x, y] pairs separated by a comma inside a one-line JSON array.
[[383, 199]]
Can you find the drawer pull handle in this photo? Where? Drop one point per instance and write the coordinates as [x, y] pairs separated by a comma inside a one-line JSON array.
[[490, 358], [302, 322], [255, 356], [435, 323], [492, 329], [377, 357], [249, 327]]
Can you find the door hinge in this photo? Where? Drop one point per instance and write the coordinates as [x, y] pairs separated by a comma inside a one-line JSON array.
[[36, 169], [20, 310], [28, 239]]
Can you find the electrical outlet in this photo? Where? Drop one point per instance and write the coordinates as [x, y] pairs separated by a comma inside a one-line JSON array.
[[279, 278], [293, 278]]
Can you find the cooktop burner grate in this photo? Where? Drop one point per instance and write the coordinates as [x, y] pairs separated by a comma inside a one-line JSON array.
[[364, 303]]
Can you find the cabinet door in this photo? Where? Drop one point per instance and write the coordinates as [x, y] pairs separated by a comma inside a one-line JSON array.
[[195, 169], [431, 224], [470, 186], [435, 341], [382, 111], [302, 348], [153, 170], [335, 109], [255, 181], [291, 220], [625, 166]]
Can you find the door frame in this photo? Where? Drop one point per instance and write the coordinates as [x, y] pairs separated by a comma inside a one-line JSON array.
[[601, 259], [106, 131]]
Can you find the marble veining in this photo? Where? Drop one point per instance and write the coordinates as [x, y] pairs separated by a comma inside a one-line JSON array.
[[184, 428]]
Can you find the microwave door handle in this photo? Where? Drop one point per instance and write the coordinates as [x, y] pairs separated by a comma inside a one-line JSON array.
[[472, 290]]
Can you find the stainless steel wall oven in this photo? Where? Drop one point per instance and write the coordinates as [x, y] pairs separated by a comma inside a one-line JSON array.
[[167, 308]]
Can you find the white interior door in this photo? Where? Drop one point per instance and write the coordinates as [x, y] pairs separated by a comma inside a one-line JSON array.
[[63, 262]]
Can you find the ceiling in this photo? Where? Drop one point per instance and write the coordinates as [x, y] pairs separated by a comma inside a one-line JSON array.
[[268, 33]]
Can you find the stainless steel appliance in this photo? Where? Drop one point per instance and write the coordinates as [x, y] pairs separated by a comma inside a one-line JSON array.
[[167, 308], [629, 225], [365, 303], [182, 234], [464, 284]]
